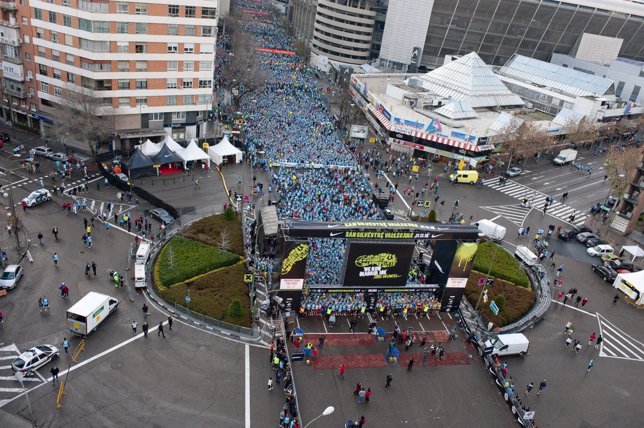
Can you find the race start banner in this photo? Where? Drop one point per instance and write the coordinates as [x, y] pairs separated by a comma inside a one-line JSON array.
[[378, 264], [294, 265]]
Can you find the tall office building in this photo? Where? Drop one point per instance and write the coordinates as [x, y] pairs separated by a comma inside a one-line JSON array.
[[147, 65]]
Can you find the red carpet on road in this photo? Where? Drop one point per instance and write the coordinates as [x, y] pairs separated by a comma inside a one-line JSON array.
[[378, 360], [365, 339]]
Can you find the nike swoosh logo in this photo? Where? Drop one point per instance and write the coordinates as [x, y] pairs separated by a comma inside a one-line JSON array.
[[336, 233], [438, 266], [436, 236], [333, 225]]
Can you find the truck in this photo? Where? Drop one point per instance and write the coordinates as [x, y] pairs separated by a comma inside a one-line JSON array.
[[565, 156], [507, 344], [491, 230], [89, 312], [524, 254]]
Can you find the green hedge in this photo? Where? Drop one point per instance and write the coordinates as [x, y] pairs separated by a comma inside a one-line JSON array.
[[503, 264], [182, 259]]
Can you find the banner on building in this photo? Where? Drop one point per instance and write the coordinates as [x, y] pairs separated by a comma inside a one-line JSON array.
[[378, 264], [294, 265]]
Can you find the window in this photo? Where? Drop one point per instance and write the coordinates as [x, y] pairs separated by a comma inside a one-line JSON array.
[[141, 66], [173, 65], [188, 66], [57, 74], [54, 36], [122, 47], [66, 2], [172, 100], [205, 83], [171, 84], [188, 47], [122, 27], [123, 84], [70, 59], [52, 17], [155, 117], [190, 12], [178, 115], [140, 9], [187, 84], [209, 12], [44, 87], [69, 40], [206, 31], [173, 10], [30, 75], [122, 8], [141, 28], [40, 33], [41, 51], [173, 48], [205, 66], [123, 66], [55, 55], [141, 84], [58, 91], [27, 56], [94, 6], [635, 93], [93, 26], [206, 48], [141, 101], [124, 102], [67, 21], [96, 66], [42, 69], [173, 30], [189, 30], [95, 45], [71, 77], [204, 99], [38, 13], [188, 100], [140, 48]]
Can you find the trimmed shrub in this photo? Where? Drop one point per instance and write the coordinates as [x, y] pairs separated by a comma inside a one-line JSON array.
[[432, 216], [500, 302], [208, 231], [501, 264], [235, 309]]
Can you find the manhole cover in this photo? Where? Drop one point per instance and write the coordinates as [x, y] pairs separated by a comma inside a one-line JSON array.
[[117, 366], [204, 348], [82, 252]]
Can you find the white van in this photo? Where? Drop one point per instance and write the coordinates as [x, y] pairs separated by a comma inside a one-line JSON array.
[[142, 253], [524, 254], [139, 275], [491, 230], [507, 344]]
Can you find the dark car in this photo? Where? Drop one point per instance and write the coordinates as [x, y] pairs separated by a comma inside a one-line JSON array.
[[162, 215], [4, 137], [568, 234], [593, 242], [583, 237], [605, 273], [620, 264]]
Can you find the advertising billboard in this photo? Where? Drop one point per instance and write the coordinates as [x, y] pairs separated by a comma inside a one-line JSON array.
[[378, 264], [458, 274], [294, 265]]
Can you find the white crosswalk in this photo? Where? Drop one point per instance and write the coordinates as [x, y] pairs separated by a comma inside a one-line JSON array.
[[107, 209], [618, 344], [9, 385], [515, 213], [537, 200]]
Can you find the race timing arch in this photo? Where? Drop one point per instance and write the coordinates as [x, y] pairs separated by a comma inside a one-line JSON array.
[[378, 269]]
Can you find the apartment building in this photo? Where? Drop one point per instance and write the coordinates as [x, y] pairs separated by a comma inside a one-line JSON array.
[[147, 65]]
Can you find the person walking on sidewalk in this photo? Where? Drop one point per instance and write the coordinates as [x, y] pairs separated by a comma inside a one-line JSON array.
[[592, 338], [134, 327], [529, 388], [341, 372], [599, 341], [65, 345], [270, 384], [54, 232], [410, 364], [170, 323], [590, 365], [542, 386], [145, 327], [160, 331], [41, 239], [389, 379], [615, 299], [321, 341], [54, 374]]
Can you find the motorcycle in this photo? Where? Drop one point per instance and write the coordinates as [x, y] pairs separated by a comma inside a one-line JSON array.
[[116, 278]]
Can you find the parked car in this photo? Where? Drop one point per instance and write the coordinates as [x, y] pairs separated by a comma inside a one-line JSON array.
[[600, 250], [605, 273], [620, 264], [36, 197], [34, 358], [124, 178], [513, 171], [58, 156], [568, 234], [162, 215], [609, 257], [593, 242], [585, 236], [10, 277], [5, 138], [43, 151]]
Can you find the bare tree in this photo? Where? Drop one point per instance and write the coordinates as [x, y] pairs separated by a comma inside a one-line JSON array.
[[80, 118], [620, 165], [582, 132], [224, 240], [522, 139]]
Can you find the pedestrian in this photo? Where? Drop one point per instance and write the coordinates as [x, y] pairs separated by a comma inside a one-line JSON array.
[[552, 255], [592, 338], [615, 299], [65, 345], [54, 231], [425, 355], [145, 327], [55, 257], [542, 386], [170, 323], [94, 268], [352, 325], [341, 371], [577, 346], [362, 421], [270, 384], [54, 374], [583, 302], [160, 331], [389, 379], [452, 334], [529, 388], [410, 364], [566, 297], [134, 327], [577, 301], [88, 267], [599, 341], [433, 351], [590, 365], [321, 342], [367, 395], [144, 308], [362, 395], [560, 295], [568, 341], [441, 353], [41, 239]]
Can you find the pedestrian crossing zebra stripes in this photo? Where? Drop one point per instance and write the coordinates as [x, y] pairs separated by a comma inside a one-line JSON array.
[[514, 213], [107, 209], [10, 387], [537, 200], [617, 343]]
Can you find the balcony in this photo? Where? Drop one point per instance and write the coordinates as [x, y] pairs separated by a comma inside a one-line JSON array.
[[16, 92], [8, 5]]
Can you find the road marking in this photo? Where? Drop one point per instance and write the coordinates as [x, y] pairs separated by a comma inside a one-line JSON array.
[[247, 385], [397, 192], [324, 325], [616, 341], [14, 390], [10, 357], [572, 307], [24, 379], [496, 217], [421, 327]]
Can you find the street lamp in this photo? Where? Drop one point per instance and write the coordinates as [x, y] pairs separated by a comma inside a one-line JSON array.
[[326, 412], [141, 123]]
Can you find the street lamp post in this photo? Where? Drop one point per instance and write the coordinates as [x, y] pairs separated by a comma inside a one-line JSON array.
[[141, 123], [326, 412]]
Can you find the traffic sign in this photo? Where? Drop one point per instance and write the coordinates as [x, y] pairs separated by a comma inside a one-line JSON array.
[[494, 308], [415, 168], [188, 299], [481, 282], [423, 204], [248, 277]]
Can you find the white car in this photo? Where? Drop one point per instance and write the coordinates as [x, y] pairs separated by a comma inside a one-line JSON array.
[[37, 197], [43, 151], [34, 358], [600, 250], [58, 156], [10, 277]]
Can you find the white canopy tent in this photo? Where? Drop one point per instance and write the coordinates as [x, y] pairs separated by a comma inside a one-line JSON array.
[[223, 149], [631, 284], [194, 153], [150, 149], [633, 250], [173, 145]]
